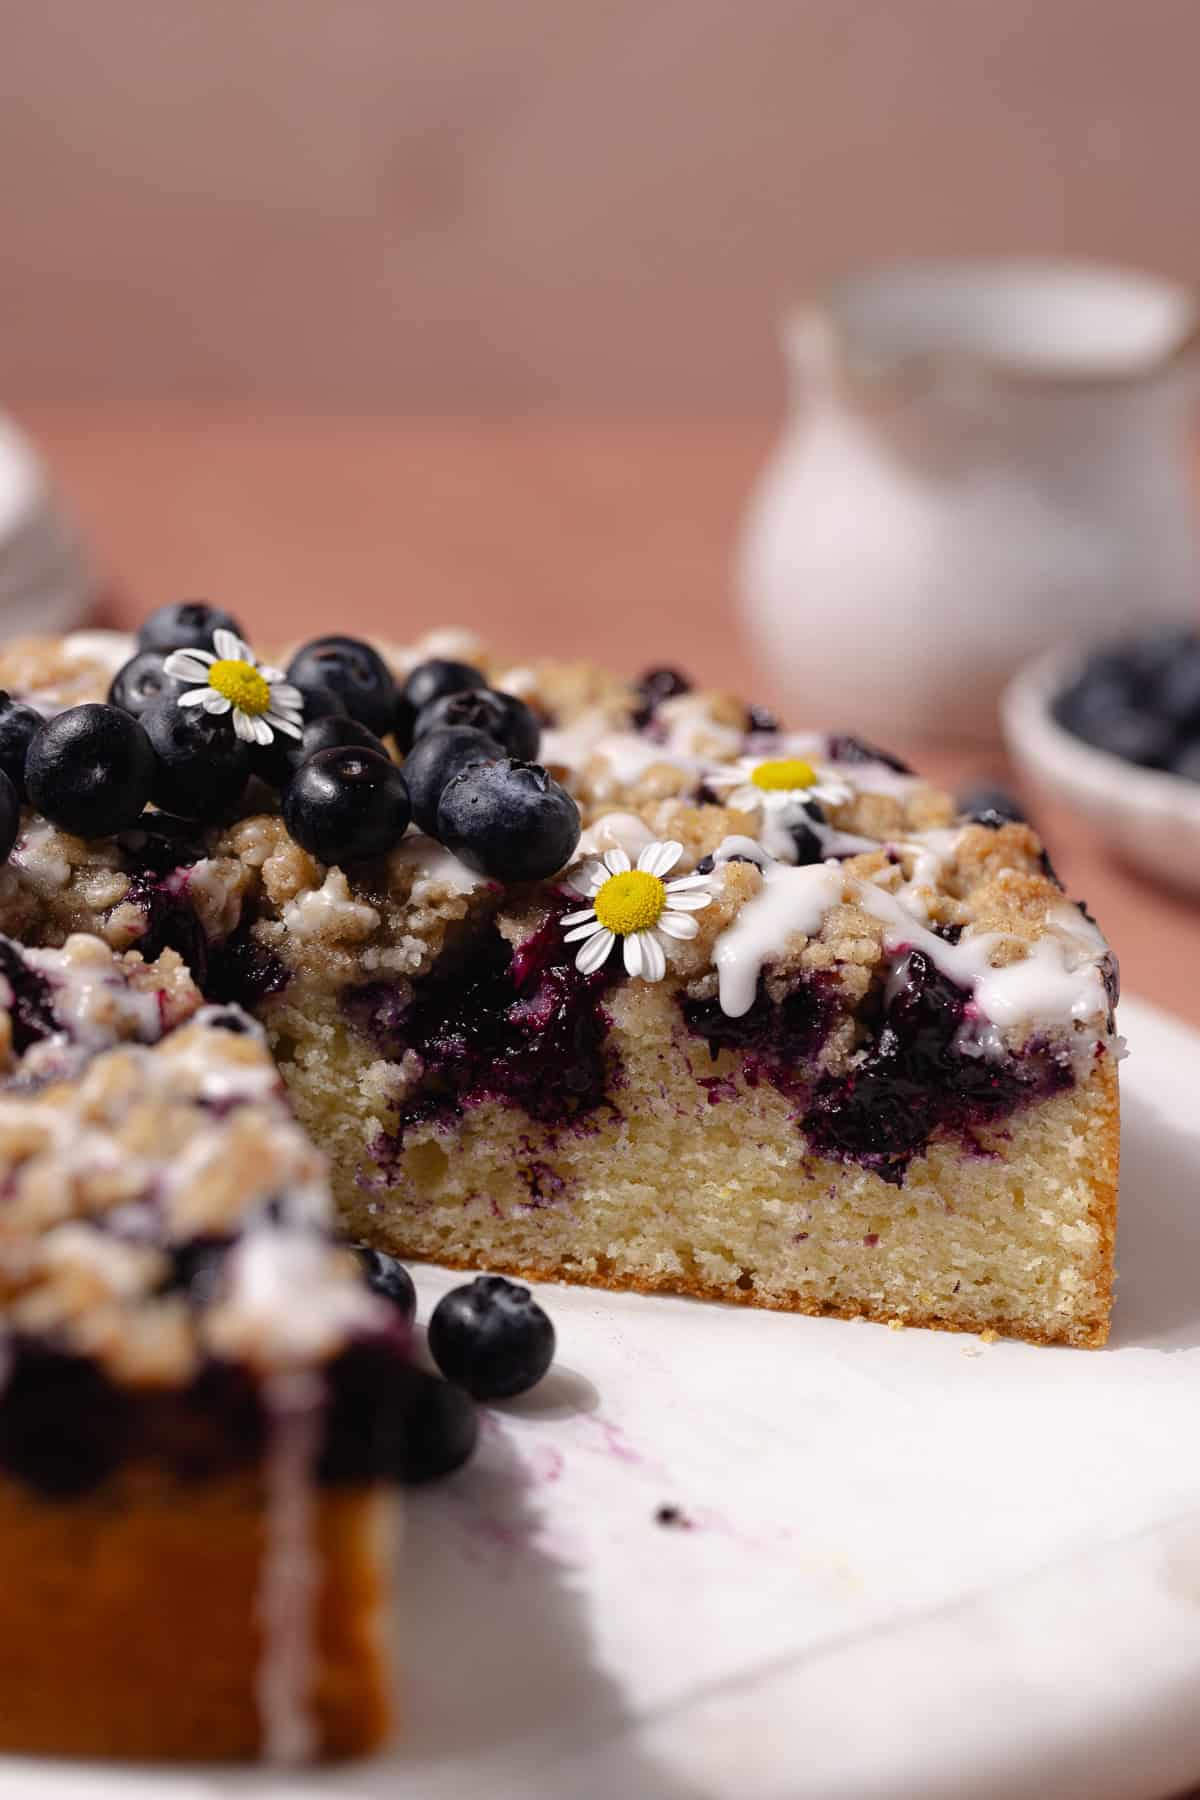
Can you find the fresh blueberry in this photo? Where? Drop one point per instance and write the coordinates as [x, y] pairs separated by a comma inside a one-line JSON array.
[[187, 625], [438, 1426], [500, 716], [655, 686], [354, 671], [810, 847], [10, 816], [761, 719], [276, 762], [491, 1337], [1178, 695], [347, 805], [203, 765], [430, 681], [508, 819], [141, 683], [436, 760], [847, 749], [284, 757], [1186, 762], [388, 1277], [18, 725], [437, 679], [1135, 736], [1084, 706], [1154, 652], [990, 805], [90, 770]]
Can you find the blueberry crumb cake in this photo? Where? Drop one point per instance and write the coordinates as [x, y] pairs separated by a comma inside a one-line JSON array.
[[563, 976]]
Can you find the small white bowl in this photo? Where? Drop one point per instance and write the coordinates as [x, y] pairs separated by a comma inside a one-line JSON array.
[[1150, 818]]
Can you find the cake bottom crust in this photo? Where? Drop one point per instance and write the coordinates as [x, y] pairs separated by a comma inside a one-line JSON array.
[[130, 1619]]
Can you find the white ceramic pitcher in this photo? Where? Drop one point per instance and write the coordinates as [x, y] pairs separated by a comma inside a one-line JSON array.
[[982, 459]]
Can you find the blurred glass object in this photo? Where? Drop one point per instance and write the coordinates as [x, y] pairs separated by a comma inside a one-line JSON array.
[[46, 582], [983, 459]]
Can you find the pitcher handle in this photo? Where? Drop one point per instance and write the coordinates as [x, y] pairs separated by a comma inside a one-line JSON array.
[[811, 350]]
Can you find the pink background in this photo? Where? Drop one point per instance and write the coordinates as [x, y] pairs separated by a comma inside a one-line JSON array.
[[546, 204]]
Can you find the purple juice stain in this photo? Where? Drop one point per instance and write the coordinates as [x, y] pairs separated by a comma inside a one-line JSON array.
[[913, 1080], [522, 1027]]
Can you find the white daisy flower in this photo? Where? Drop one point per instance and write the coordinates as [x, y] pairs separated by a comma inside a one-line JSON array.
[[636, 905], [261, 699], [766, 784]]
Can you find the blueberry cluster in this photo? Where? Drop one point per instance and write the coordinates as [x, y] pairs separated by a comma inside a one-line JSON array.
[[490, 1339], [469, 775], [1140, 700]]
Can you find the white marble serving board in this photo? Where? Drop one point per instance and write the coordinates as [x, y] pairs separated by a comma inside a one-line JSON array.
[[916, 1564]]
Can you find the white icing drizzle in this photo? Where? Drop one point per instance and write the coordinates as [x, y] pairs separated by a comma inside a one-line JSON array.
[[434, 865], [289, 1301], [39, 860], [330, 911], [791, 902], [290, 1569], [615, 831], [92, 998], [111, 649], [1058, 983], [521, 681]]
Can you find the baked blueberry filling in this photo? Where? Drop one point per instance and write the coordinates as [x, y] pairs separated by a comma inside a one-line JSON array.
[[65, 1426], [919, 1072], [523, 1027], [31, 1010]]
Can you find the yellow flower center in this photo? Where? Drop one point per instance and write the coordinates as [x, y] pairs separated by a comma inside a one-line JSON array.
[[788, 772], [241, 684], [630, 902]]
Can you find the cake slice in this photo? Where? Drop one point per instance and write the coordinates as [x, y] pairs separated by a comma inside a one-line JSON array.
[[198, 1407], [783, 1028]]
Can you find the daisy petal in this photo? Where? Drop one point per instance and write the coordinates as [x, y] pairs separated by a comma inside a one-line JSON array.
[[654, 963], [582, 931], [197, 696], [682, 883], [594, 953], [262, 731], [577, 918], [657, 859], [214, 702], [745, 799], [280, 723], [273, 677], [678, 925], [185, 665], [282, 692], [632, 948], [688, 903], [229, 646], [243, 725], [616, 862]]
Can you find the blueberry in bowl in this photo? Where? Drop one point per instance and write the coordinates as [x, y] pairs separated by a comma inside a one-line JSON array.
[[1113, 732]]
